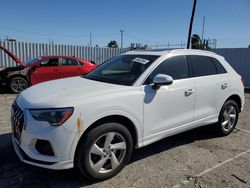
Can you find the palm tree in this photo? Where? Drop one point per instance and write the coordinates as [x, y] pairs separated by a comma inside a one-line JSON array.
[[196, 42]]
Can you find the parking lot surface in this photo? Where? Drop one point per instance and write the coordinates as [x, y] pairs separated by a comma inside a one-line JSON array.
[[197, 158]]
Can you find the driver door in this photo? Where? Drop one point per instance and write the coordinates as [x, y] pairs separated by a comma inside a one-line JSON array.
[[47, 70], [169, 106]]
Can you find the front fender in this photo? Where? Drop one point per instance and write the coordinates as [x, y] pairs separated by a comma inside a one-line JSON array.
[[99, 115]]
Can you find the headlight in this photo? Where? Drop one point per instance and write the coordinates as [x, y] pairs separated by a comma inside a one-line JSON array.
[[55, 117]]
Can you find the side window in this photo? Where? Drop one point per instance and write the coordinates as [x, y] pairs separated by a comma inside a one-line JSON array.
[[53, 62], [202, 65], [219, 67], [177, 67], [69, 62]]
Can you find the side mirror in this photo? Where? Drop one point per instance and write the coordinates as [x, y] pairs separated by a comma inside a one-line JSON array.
[[34, 67], [162, 80]]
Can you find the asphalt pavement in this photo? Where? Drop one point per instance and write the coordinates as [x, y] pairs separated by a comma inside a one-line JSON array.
[[197, 158]]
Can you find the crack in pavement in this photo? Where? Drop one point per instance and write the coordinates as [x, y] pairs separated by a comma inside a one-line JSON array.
[[212, 168]]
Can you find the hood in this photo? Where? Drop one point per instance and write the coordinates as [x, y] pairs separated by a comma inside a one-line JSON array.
[[13, 56], [62, 92]]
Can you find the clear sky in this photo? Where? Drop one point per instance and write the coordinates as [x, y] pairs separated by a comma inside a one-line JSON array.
[[144, 21]]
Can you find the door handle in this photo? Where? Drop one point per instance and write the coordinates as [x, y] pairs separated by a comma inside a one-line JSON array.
[[224, 86], [55, 69], [189, 92]]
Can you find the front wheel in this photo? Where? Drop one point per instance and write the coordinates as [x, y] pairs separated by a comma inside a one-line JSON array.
[[228, 118], [18, 84], [104, 151]]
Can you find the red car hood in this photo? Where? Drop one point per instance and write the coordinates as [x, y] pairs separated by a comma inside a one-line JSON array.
[[13, 56]]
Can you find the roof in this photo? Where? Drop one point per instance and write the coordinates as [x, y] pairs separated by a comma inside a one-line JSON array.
[[62, 56], [161, 52], [149, 52]]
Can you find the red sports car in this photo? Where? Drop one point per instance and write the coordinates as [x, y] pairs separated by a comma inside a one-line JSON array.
[[41, 69]]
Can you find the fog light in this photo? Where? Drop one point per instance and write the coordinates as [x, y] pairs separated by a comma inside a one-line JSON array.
[[44, 147]]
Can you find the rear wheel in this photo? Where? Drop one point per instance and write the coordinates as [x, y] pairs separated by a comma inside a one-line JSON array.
[[104, 151], [228, 118], [18, 84]]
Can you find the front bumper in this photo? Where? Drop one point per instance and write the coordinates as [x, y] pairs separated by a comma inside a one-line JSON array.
[[26, 137], [3, 82], [44, 164]]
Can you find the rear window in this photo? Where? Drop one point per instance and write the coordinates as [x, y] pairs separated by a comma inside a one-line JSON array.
[[219, 67], [202, 66]]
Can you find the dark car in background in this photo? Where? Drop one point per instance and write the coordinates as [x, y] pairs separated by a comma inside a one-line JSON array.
[[41, 69]]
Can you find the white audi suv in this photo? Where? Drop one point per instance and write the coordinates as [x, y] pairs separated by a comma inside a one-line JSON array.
[[95, 121]]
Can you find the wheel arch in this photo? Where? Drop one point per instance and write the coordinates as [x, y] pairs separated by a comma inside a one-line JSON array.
[[123, 120], [237, 99], [18, 75]]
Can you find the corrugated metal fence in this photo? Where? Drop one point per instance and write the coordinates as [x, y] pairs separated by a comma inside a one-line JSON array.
[[239, 59], [26, 51]]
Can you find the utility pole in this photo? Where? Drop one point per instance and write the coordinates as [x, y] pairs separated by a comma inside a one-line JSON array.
[[121, 38], [191, 24], [90, 39], [203, 25]]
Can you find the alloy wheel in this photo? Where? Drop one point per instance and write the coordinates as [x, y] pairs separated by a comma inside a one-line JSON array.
[[229, 118], [18, 85], [107, 152]]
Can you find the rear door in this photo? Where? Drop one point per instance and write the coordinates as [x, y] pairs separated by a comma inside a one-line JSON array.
[[46, 70], [69, 67], [212, 83]]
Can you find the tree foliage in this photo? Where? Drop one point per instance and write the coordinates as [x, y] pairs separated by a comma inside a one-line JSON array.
[[112, 44], [196, 42]]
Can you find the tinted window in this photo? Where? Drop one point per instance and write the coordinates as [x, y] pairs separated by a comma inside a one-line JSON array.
[[69, 62], [177, 67], [219, 67], [202, 65], [49, 63]]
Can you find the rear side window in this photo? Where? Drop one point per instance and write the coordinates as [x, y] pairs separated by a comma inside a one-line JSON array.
[[177, 67], [202, 66], [53, 62], [219, 67], [69, 62]]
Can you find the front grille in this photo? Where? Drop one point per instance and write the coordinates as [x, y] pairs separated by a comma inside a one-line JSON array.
[[17, 121]]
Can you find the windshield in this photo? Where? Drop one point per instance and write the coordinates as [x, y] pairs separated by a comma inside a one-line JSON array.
[[33, 60], [123, 69]]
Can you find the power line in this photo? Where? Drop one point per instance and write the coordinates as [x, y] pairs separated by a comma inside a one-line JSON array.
[[52, 35]]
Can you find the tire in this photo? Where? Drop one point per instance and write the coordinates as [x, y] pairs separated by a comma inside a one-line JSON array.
[[228, 118], [18, 84], [104, 151]]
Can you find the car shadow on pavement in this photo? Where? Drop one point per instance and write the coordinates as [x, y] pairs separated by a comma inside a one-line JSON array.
[[201, 133], [4, 91], [14, 173]]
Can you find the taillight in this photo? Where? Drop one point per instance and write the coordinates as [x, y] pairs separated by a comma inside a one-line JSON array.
[[242, 81]]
